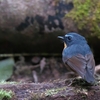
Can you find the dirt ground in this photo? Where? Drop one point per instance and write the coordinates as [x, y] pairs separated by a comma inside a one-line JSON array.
[[40, 78]]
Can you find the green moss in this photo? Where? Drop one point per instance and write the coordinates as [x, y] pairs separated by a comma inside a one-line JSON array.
[[7, 95], [48, 92], [4, 82], [51, 92], [86, 14]]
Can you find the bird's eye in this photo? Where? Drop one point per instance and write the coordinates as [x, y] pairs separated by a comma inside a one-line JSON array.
[[69, 38]]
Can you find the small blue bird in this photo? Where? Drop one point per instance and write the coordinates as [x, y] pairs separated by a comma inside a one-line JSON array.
[[78, 56]]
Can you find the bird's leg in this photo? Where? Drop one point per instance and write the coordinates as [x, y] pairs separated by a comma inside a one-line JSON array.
[[71, 81], [71, 77]]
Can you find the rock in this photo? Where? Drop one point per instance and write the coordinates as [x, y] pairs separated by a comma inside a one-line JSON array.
[[28, 26]]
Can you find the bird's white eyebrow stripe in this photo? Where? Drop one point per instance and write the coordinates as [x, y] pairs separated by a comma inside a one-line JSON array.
[[67, 35]]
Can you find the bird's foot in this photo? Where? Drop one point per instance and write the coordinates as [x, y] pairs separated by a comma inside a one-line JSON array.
[[96, 83], [71, 81]]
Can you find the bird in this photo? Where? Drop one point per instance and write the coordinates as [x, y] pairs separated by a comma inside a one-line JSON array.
[[78, 56]]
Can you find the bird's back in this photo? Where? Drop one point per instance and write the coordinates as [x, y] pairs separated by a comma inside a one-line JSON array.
[[75, 49]]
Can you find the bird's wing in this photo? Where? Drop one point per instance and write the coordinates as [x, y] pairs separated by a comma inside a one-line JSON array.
[[84, 66], [89, 74]]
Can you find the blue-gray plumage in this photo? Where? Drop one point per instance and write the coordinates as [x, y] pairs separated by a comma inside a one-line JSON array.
[[78, 56]]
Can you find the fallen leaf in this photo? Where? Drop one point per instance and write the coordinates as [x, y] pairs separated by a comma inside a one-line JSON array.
[[6, 68]]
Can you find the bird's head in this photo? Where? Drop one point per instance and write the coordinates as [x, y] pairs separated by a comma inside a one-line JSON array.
[[72, 38]]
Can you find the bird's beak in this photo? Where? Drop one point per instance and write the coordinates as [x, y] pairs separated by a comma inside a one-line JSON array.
[[61, 37]]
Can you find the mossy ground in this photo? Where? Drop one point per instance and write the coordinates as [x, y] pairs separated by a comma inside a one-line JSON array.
[[56, 90]]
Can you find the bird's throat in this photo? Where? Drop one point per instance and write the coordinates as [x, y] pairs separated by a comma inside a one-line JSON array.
[[65, 46]]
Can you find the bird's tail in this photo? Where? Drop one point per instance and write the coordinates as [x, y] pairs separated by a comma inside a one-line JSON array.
[[89, 76]]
